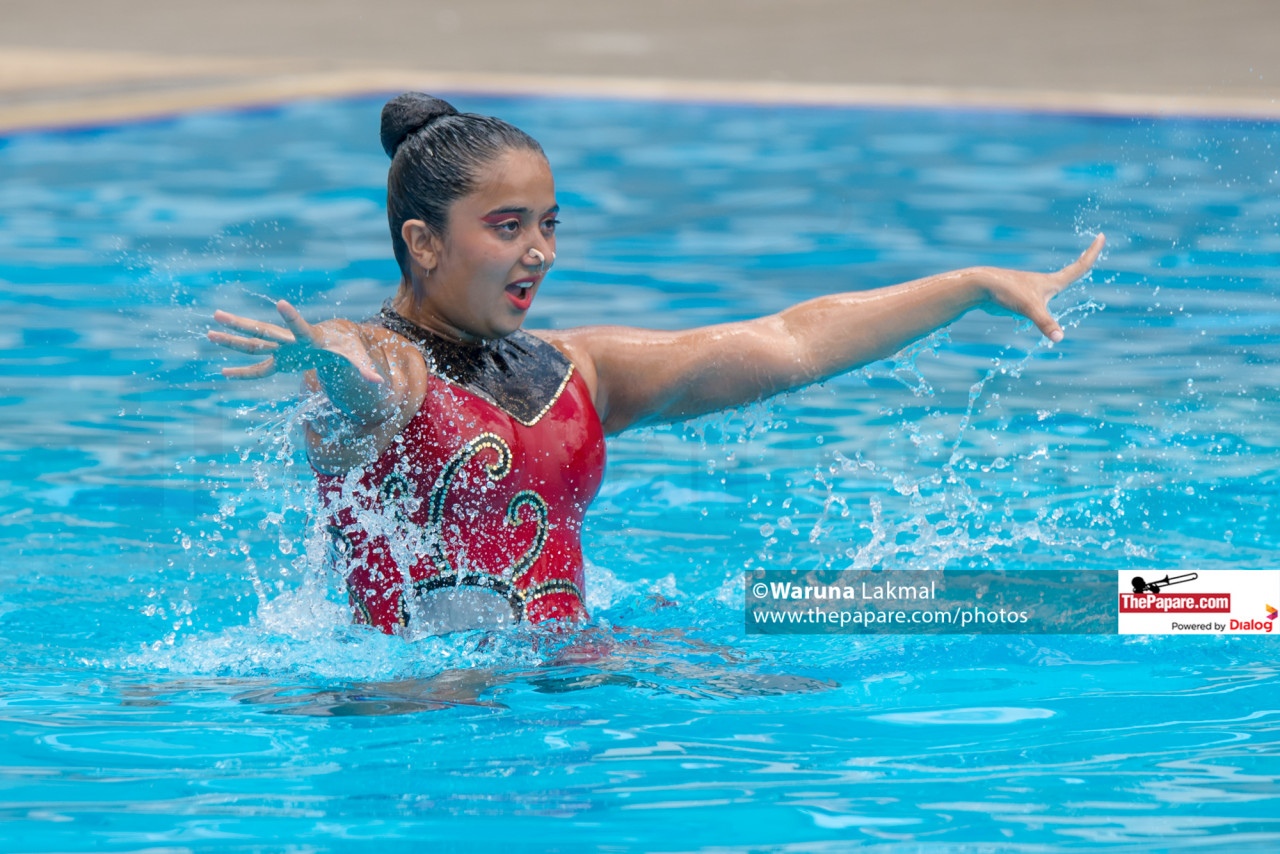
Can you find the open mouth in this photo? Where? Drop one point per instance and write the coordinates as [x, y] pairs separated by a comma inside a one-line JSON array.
[[521, 294]]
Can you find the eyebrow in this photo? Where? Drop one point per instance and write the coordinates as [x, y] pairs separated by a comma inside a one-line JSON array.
[[518, 210]]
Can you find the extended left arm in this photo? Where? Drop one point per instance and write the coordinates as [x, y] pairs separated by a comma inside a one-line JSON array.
[[643, 376]]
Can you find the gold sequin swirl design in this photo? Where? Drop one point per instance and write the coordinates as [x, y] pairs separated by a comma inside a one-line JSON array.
[[495, 470]]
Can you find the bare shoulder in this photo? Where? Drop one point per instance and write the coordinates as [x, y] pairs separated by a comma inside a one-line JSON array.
[[398, 359], [652, 375], [391, 344], [599, 354], [596, 344], [576, 345]]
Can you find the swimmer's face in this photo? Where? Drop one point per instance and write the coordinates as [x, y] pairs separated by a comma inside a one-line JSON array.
[[484, 276]]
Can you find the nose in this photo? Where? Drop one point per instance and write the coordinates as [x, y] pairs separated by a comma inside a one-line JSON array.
[[534, 257]]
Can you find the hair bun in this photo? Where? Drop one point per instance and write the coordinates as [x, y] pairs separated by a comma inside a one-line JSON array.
[[407, 114]]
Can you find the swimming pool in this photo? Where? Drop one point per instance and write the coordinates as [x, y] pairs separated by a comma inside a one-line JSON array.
[[176, 678]]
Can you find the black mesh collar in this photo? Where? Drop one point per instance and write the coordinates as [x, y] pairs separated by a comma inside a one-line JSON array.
[[521, 374]]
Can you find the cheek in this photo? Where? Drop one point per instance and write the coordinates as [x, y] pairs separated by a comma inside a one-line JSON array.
[[487, 258], [492, 268], [494, 252]]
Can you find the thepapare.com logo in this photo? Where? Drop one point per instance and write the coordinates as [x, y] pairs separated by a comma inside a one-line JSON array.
[[1152, 597]]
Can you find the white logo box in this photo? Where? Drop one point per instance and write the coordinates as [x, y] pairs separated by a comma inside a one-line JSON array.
[[1203, 602]]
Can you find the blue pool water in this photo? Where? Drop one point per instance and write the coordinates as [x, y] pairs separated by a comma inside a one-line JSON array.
[[177, 675]]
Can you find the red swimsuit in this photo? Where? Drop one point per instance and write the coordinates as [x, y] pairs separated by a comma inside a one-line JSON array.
[[487, 485]]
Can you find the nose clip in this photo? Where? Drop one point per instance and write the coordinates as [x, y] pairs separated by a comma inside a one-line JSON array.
[[543, 263]]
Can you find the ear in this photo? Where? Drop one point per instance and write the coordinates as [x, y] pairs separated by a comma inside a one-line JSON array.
[[423, 244]]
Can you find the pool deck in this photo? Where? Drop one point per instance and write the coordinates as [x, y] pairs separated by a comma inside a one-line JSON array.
[[77, 62]]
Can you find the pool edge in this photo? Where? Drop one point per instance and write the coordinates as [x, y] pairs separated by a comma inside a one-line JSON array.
[[117, 108]]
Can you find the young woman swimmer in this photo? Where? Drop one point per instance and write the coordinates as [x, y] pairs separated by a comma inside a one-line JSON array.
[[460, 452]]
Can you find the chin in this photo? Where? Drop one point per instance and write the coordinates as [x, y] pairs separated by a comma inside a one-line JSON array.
[[505, 327]]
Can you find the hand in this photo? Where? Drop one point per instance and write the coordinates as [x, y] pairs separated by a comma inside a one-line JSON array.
[[298, 348], [1028, 294]]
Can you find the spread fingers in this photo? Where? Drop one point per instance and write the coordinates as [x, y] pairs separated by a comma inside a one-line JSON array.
[[268, 331], [241, 344], [252, 372]]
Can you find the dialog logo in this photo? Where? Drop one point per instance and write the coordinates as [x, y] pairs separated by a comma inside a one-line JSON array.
[[1256, 625]]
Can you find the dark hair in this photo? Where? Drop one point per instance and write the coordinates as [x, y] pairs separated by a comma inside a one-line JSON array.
[[436, 156]]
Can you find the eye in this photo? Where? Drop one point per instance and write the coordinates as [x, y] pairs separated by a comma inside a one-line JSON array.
[[550, 224], [509, 226]]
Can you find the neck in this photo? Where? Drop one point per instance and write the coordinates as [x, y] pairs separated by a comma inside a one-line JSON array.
[[410, 302]]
